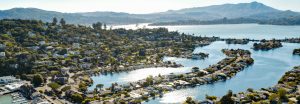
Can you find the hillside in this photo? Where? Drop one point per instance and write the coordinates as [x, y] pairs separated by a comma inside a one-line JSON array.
[[253, 10]]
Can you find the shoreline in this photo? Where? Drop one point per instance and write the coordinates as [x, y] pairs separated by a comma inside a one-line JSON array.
[[178, 84]]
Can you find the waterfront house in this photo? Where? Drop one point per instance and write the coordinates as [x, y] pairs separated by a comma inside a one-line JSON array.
[[8, 79], [13, 86], [2, 54]]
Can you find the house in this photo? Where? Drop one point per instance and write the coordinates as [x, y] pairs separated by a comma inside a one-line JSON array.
[[2, 54], [31, 34], [13, 86], [86, 65], [61, 79], [15, 66], [135, 95], [2, 46], [74, 52], [8, 79], [64, 71], [42, 42], [76, 45]]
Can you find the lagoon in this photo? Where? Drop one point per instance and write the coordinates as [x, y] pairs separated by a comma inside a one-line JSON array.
[[239, 31], [267, 69]]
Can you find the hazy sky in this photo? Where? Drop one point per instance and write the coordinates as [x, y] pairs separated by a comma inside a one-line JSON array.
[[134, 6]]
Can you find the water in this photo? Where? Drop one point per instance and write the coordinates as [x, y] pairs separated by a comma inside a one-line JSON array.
[[267, 69], [135, 75], [5, 99], [125, 77], [252, 31]]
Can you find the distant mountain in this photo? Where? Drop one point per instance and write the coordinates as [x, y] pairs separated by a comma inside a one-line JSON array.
[[253, 10], [76, 18], [231, 10]]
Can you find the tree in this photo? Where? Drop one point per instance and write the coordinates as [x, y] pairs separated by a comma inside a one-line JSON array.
[[97, 26], [273, 98], [189, 100], [62, 21], [37, 80], [282, 94], [54, 85], [298, 99], [227, 98], [99, 86], [104, 26], [77, 98], [54, 22]]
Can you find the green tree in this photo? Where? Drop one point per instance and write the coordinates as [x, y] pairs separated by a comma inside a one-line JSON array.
[[54, 85], [273, 98], [282, 94], [99, 86], [227, 98], [97, 26], [189, 100], [54, 21], [37, 80], [77, 98], [62, 21], [105, 26]]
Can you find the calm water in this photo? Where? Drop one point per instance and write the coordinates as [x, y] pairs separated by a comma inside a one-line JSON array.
[[252, 31], [267, 69], [124, 77], [5, 99]]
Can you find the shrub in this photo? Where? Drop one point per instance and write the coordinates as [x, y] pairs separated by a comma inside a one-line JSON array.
[[66, 88], [54, 85], [37, 80]]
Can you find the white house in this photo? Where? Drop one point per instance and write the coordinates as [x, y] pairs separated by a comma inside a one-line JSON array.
[[8, 79], [76, 45], [2, 54]]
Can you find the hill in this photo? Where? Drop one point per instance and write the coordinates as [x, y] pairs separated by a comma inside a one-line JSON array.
[[253, 10]]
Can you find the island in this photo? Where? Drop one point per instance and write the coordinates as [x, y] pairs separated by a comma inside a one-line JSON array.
[[151, 87], [267, 45], [285, 91], [296, 51], [237, 41], [57, 60]]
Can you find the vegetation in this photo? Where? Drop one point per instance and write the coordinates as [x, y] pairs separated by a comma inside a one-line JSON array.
[[296, 51], [267, 45], [280, 21], [227, 98], [37, 80], [54, 86]]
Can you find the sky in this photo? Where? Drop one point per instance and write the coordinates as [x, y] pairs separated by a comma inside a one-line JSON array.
[[134, 6]]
